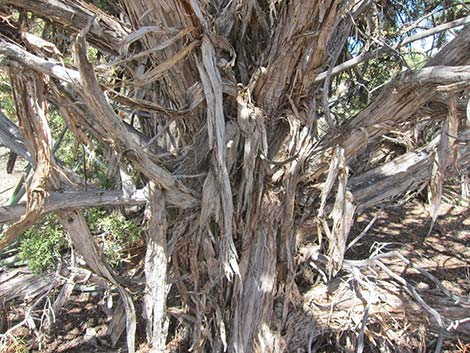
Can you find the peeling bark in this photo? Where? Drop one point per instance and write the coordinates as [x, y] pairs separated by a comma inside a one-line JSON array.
[[106, 33], [156, 260], [30, 102]]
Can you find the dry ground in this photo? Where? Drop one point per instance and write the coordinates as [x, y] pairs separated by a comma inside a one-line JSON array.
[[8, 182], [445, 252]]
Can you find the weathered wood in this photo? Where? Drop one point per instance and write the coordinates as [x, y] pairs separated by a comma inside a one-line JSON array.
[[212, 84], [252, 308], [28, 90], [111, 123], [21, 284], [404, 173], [107, 32], [75, 225], [396, 306], [386, 49], [401, 99], [94, 97], [170, 15], [75, 200], [156, 263], [443, 157], [398, 102], [223, 95], [292, 55], [26, 59]]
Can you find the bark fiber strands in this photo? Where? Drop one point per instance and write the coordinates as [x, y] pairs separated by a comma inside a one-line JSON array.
[[293, 55], [445, 151], [117, 132], [254, 292], [251, 121], [212, 85], [22, 284], [156, 260], [407, 93], [158, 71], [167, 14], [215, 100], [31, 106], [106, 33], [342, 213]]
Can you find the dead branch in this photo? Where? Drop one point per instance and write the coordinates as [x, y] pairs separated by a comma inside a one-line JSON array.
[[106, 33], [31, 107], [75, 200], [21, 284], [202, 99], [385, 49], [156, 262], [113, 125], [407, 172]]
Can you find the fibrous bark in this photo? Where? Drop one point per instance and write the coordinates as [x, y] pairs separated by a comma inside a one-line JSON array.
[[156, 260], [33, 126], [107, 32]]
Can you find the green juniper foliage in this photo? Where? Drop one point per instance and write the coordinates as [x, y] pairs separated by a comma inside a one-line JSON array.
[[116, 233], [43, 245]]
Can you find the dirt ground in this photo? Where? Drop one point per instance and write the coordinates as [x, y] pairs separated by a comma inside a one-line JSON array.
[[8, 182], [444, 252]]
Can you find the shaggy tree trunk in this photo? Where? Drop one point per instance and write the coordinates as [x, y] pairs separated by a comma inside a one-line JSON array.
[[215, 105]]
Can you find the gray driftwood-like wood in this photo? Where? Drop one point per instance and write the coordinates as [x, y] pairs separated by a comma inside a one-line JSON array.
[[107, 32], [20, 284], [406, 172], [71, 200], [75, 224], [156, 272]]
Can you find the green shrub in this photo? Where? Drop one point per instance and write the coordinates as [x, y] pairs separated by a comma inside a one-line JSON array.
[[116, 231], [43, 244]]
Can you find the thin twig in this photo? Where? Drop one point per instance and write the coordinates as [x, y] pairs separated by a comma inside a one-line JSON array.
[[366, 56], [363, 233]]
